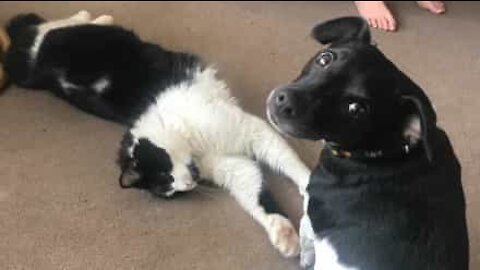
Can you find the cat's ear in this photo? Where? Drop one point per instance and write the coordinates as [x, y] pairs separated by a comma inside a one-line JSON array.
[[129, 177]]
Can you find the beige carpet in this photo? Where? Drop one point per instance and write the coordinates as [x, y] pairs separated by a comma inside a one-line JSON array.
[[61, 208]]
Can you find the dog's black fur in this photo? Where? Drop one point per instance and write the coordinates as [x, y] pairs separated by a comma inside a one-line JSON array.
[[137, 71], [383, 200]]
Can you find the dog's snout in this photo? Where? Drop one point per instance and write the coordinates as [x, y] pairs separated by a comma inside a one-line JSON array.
[[283, 104]]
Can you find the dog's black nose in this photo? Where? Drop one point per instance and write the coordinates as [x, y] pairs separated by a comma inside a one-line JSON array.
[[284, 105]]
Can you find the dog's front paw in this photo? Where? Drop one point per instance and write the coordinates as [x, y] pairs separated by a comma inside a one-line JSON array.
[[283, 235]]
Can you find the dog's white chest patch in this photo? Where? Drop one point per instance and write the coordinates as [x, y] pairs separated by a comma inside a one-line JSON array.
[[326, 257]]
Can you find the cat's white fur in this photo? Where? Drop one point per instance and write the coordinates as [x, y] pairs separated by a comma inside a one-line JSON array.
[[199, 121]]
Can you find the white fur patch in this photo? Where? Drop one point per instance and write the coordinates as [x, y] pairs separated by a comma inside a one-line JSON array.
[[326, 258], [314, 251], [413, 129], [307, 237], [103, 20], [66, 85], [101, 85]]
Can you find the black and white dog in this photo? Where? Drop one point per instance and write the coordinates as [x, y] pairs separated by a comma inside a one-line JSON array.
[[99, 68], [179, 114], [387, 192]]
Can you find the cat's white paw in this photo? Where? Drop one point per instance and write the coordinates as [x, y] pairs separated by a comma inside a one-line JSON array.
[[103, 20], [283, 235]]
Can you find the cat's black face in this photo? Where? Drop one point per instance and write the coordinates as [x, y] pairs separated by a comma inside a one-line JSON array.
[[146, 166]]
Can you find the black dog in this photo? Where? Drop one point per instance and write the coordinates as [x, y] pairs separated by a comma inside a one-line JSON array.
[[387, 192], [99, 68]]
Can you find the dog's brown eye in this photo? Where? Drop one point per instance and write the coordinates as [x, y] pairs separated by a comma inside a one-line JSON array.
[[356, 109], [325, 58]]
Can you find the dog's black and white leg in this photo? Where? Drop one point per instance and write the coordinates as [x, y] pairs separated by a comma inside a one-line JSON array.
[[269, 147], [242, 177]]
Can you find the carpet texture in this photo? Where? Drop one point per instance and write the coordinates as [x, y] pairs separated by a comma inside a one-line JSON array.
[[61, 207]]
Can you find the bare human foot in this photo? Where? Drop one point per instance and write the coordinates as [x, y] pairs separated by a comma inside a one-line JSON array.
[[435, 7], [377, 14]]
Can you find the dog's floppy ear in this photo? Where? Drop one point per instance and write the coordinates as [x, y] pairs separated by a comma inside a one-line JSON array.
[[342, 30], [423, 120]]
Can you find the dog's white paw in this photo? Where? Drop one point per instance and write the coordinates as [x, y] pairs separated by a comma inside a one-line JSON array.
[[103, 20], [283, 235], [82, 16]]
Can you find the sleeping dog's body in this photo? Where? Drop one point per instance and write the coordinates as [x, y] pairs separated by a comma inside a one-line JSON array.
[[101, 69], [179, 113], [387, 192]]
